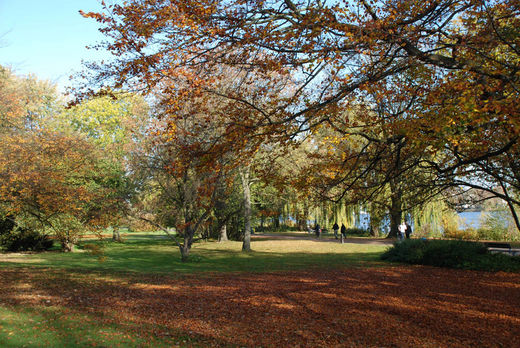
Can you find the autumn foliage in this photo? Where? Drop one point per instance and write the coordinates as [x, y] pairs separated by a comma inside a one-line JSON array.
[[384, 306], [455, 66], [53, 180]]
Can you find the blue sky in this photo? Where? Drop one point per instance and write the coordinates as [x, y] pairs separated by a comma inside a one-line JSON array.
[[47, 37]]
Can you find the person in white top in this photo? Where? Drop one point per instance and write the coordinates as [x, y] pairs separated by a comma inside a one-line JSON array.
[[401, 229]]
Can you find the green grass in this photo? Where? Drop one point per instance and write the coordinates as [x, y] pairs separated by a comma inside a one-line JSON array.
[[43, 324], [151, 253], [38, 323], [59, 327]]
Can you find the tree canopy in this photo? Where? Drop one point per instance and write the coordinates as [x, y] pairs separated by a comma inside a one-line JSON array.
[[455, 63]]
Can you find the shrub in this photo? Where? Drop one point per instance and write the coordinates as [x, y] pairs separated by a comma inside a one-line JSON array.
[[423, 231], [450, 222], [450, 253], [498, 225], [466, 234], [491, 234], [6, 225], [21, 239], [357, 232]]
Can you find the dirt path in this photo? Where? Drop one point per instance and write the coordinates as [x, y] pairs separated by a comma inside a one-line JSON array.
[[307, 236]]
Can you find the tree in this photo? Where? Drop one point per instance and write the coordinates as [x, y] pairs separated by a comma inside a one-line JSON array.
[[228, 206], [52, 180], [335, 52], [185, 180], [55, 182], [377, 163], [115, 125]]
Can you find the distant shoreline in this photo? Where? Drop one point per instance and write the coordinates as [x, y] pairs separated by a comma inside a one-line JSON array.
[[470, 210]]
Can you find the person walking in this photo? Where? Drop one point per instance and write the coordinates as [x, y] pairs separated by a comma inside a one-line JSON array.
[[317, 230], [401, 230], [335, 227], [343, 231], [408, 231]]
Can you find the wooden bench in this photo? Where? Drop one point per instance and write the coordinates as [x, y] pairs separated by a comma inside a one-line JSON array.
[[502, 248], [495, 245]]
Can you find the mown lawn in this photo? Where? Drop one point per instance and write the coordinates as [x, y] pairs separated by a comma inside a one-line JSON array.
[[154, 253], [287, 293]]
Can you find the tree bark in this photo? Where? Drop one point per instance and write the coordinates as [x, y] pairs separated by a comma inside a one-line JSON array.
[[244, 175], [186, 246], [375, 222], [223, 237], [374, 230], [276, 222], [302, 219], [116, 236], [67, 246], [185, 252], [510, 205], [514, 215], [396, 209], [305, 214]]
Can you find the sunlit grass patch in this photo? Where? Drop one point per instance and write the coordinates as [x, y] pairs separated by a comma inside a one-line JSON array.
[[57, 327], [154, 253]]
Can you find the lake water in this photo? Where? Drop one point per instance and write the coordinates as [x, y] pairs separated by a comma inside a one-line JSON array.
[[468, 219], [471, 218]]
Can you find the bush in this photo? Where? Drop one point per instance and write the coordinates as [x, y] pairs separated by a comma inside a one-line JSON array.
[[466, 234], [498, 225], [491, 234], [21, 239], [450, 222], [451, 254], [357, 232], [6, 225]]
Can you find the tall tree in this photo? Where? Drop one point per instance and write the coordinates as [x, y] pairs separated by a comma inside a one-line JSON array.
[[335, 51], [115, 125], [51, 179]]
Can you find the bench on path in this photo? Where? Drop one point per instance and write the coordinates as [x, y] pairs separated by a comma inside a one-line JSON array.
[[502, 247]]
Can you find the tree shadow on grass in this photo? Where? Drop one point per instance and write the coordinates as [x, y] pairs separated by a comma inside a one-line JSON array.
[[168, 262], [144, 255], [38, 326], [360, 307]]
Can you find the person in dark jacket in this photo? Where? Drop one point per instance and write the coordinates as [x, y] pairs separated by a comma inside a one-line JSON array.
[[343, 230], [408, 231], [317, 230], [335, 227]]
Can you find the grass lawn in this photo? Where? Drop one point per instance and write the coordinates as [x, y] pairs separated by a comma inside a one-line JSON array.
[[286, 293], [153, 253]]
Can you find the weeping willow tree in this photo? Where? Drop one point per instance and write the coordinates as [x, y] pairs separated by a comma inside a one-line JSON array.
[[432, 218], [327, 213]]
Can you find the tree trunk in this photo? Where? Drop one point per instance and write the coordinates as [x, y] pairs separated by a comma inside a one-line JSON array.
[[513, 214], [222, 237], [186, 246], [116, 236], [276, 222], [510, 206], [67, 246], [375, 221], [305, 214], [302, 220], [396, 210], [374, 230], [244, 175], [185, 252]]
